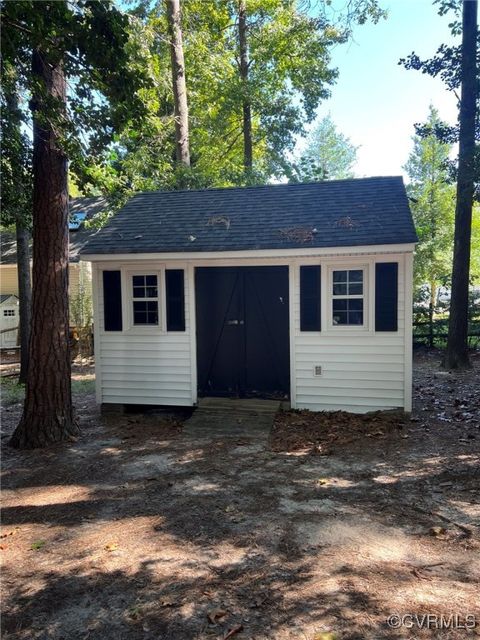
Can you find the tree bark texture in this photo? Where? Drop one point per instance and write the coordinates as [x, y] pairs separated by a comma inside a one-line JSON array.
[[456, 355], [48, 411], [179, 83], [246, 106], [24, 293]]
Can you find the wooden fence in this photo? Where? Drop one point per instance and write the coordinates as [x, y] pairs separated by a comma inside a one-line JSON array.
[[433, 332]]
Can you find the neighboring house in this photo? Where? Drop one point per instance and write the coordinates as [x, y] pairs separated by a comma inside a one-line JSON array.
[[8, 321], [81, 209], [299, 291]]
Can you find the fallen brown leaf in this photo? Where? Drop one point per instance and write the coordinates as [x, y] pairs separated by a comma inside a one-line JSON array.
[[216, 615]]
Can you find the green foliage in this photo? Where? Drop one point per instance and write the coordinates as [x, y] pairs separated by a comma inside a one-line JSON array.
[[433, 207], [289, 75], [16, 157], [329, 155], [81, 309], [105, 64], [446, 64]]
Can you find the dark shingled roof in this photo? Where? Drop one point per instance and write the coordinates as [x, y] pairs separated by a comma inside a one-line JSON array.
[[91, 206], [365, 211]]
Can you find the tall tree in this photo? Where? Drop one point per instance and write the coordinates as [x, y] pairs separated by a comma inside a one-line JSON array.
[[179, 83], [48, 411], [456, 354], [286, 62], [246, 106], [90, 42], [16, 201], [454, 64], [328, 155], [433, 205]]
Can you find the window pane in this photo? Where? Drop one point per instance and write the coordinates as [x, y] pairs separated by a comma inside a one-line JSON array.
[[355, 305], [138, 292], [151, 292], [355, 275], [138, 281], [140, 317], [340, 289], [145, 312], [340, 305], [355, 288], [139, 306], [151, 281], [339, 276], [340, 317], [355, 317]]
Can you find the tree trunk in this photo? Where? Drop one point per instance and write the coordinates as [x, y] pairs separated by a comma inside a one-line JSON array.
[[24, 293], [48, 412], [456, 355], [179, 83], [246, 106]]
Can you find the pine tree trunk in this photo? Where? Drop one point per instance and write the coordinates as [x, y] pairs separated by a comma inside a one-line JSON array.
[[179, 83], [48, 411], [24, 294], [246, 106], [456, 355]]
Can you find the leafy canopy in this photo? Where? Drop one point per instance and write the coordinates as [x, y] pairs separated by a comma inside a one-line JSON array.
[[329, 155]]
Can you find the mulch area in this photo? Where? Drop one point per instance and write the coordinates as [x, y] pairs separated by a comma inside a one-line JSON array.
[[327, 432]]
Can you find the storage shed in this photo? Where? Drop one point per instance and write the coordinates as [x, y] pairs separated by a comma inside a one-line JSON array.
[[8, 320], [298, 291]]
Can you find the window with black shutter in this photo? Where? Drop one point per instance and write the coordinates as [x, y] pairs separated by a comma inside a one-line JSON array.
[[175, 299], [112, 301], [386, 296], [310, 298]]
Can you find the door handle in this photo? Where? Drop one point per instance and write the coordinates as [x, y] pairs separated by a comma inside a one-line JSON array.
[[232, 322]]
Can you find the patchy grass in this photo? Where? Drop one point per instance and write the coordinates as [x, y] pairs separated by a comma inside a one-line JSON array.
[[83, 385], [11, 392]]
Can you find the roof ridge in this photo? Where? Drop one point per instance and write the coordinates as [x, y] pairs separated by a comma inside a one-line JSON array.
[[268, 186]]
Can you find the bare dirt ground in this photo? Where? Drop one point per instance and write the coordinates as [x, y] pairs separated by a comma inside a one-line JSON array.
[[137, 532]]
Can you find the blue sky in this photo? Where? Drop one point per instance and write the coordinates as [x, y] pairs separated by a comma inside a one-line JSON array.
[[375, 101]]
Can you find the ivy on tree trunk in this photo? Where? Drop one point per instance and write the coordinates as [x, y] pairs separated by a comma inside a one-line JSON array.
[[48, 412]]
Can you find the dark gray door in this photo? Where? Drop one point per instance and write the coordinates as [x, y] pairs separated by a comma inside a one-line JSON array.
[[243, 331]]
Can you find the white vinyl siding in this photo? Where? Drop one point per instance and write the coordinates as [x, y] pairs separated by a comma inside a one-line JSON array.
[[76, 273], [361, 370], [8, 280], [142, 365]]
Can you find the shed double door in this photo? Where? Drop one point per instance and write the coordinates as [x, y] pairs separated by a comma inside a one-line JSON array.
[[242, 316]]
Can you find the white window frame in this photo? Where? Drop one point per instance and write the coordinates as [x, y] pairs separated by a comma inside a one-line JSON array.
[[129, 299], [365, 297]]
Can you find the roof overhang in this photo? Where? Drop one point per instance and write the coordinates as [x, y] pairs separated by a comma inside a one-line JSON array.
[[302, 252]]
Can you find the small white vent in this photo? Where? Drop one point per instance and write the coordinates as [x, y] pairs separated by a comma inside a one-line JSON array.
[[317, 370]]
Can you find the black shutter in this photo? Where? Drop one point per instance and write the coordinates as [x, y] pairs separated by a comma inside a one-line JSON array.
[[112, 300], [175, 295], [386, 296], [310, 298]]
